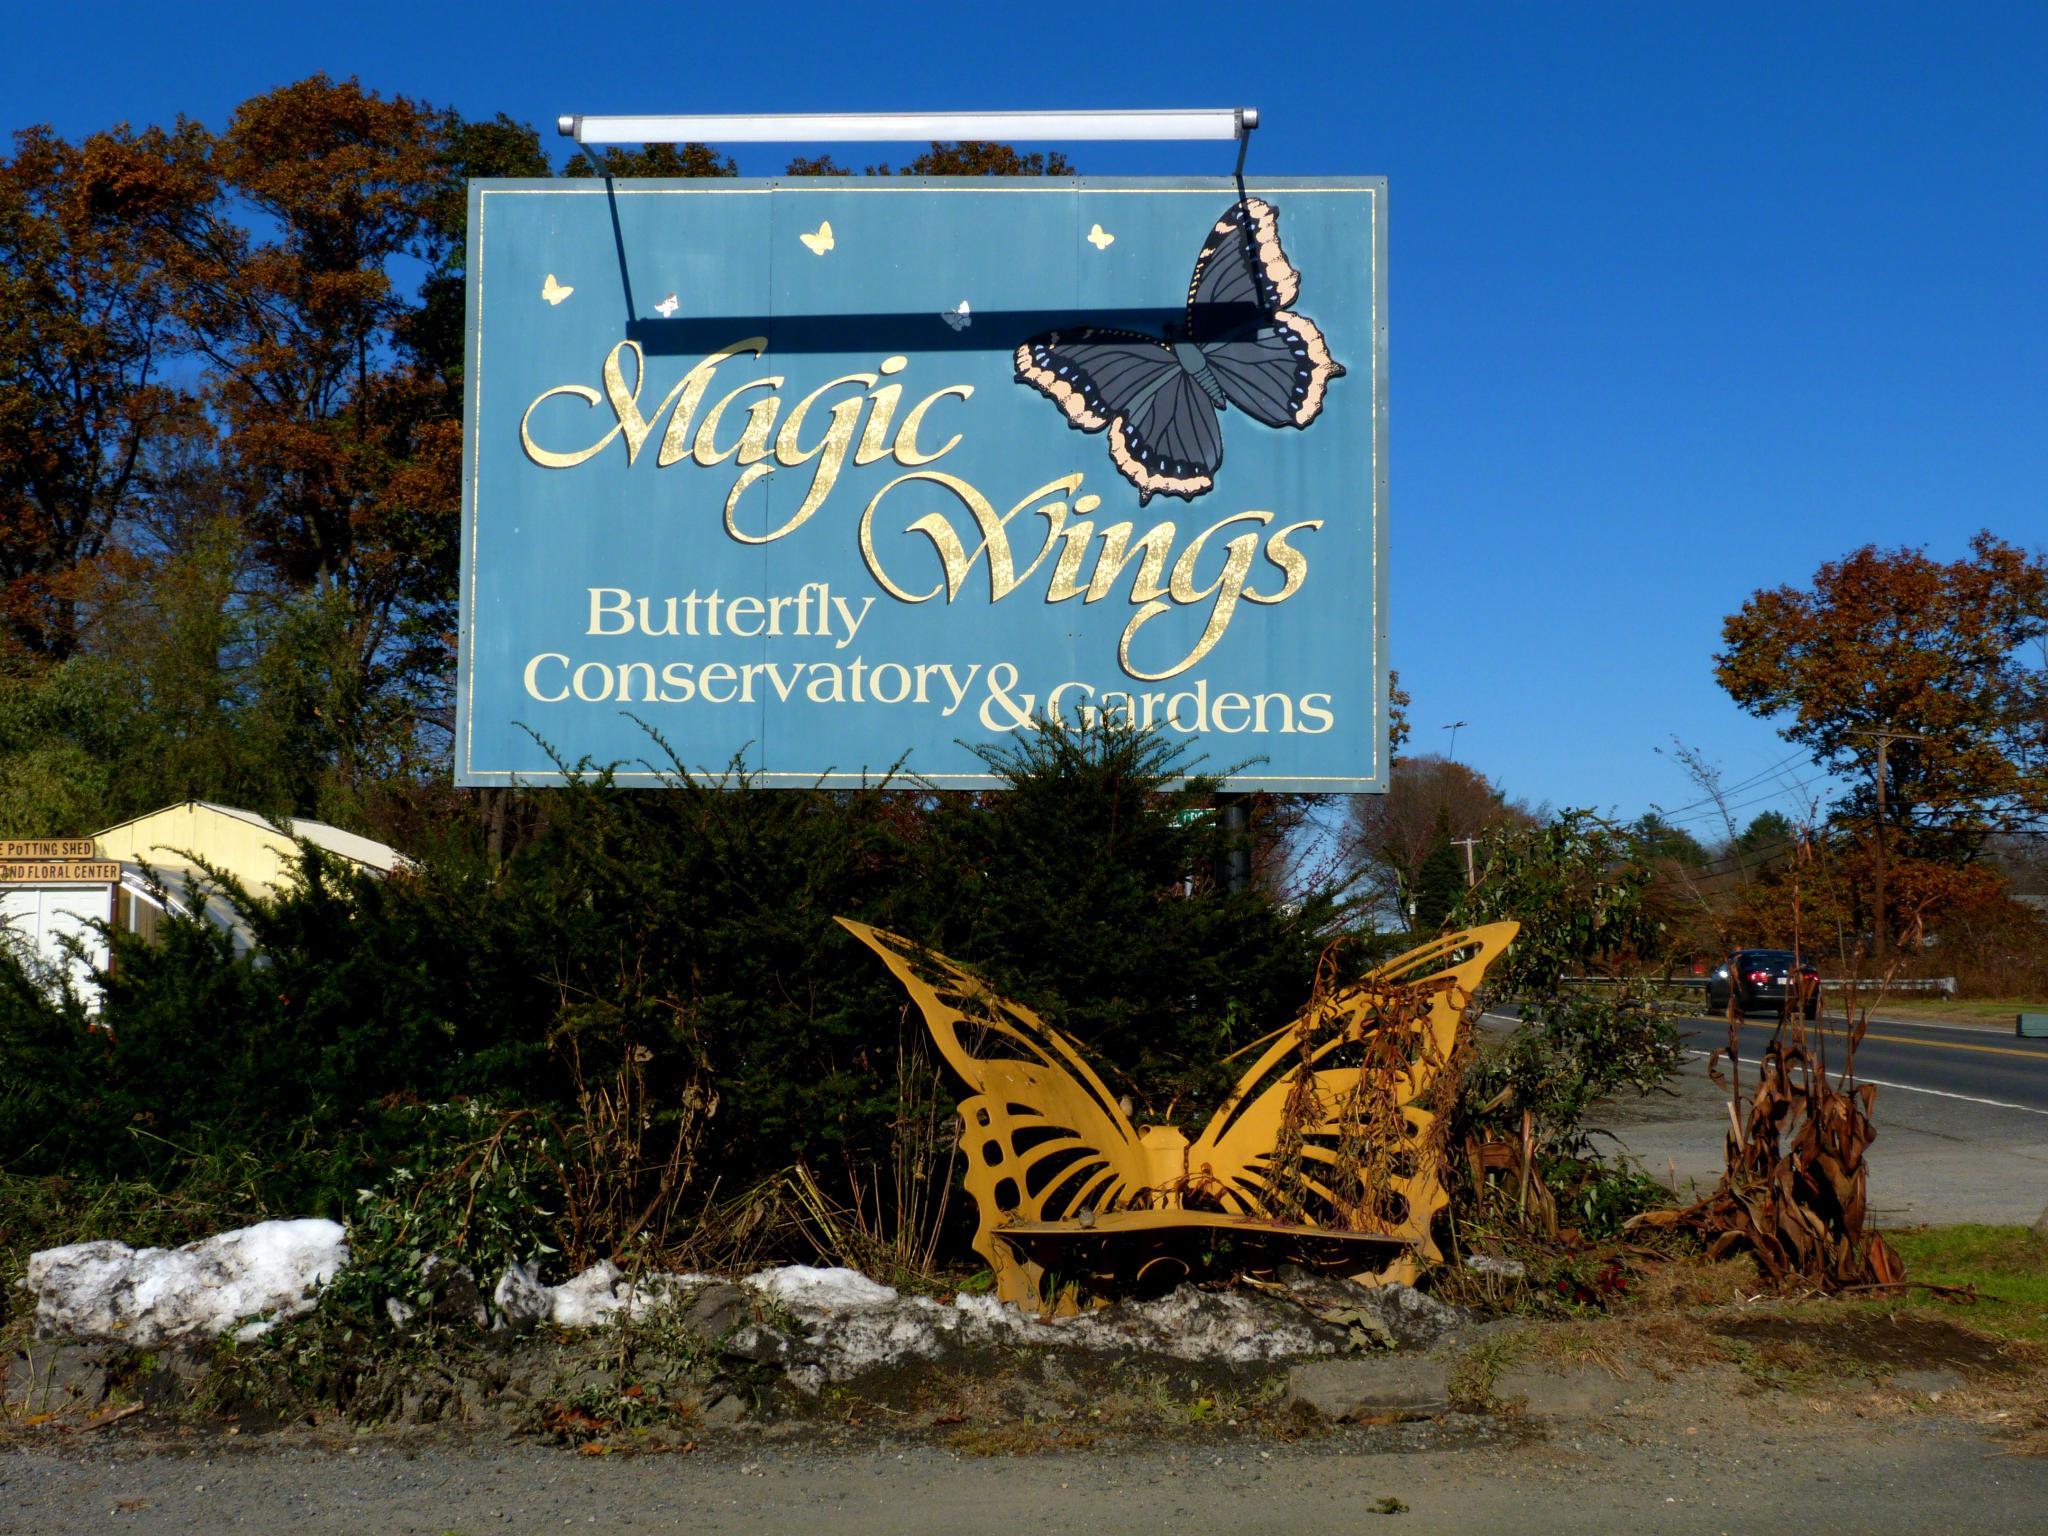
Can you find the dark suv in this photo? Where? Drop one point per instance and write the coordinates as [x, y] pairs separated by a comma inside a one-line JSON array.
[[1762, 981]]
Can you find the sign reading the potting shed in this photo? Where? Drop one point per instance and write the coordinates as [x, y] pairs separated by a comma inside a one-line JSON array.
[[832, 475]]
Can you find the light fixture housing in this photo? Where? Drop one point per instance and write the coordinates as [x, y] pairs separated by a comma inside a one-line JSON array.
[[911, 127]]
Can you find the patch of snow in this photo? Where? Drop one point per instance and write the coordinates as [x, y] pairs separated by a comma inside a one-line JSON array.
[[602, 1295], [802, 1288], [520, 1300], [853, 1325], [242, 1282], [1194, 1324], [1487, 1264], [841, 1323]]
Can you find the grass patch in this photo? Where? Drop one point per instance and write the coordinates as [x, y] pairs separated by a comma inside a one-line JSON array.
[[2007, 1265], [1942, 1010], [1477, 1372]]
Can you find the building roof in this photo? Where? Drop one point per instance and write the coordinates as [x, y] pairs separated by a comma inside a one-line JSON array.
[[252, 848], [174, 842]]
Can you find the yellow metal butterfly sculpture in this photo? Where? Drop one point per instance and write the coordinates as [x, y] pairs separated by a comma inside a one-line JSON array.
[[1329, 1138]]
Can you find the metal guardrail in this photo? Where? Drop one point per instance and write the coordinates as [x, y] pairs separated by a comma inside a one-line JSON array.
[[1941, 986]]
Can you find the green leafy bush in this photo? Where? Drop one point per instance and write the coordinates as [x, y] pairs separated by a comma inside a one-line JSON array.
[[475, 1193], [1568, 1053], [656, 978], [1580, 893]]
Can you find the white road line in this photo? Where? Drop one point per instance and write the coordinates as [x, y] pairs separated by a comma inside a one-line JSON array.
[[1939, 1093]]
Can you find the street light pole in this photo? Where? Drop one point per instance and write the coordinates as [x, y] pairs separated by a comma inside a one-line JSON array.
[[1454, 727]]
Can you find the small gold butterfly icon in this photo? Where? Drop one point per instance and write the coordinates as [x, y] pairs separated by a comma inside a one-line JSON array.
[[821, 241], [667, 308], [553, 291], [1101, 238]]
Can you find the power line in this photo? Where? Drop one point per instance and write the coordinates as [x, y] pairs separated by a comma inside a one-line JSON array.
[[1721, 792], [1742, 805], [1720, 864]]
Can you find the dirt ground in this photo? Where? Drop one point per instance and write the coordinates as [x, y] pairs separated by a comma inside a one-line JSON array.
[[1683, 1418], [1693, 1455]]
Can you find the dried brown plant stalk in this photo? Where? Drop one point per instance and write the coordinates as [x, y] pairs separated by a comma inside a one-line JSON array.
[[1353, 1179], [1794, 1190]]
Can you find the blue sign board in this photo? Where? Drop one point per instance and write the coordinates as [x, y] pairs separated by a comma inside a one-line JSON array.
[[839, 474]]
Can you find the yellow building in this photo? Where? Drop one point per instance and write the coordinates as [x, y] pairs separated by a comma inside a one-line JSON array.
[[239, 843], [56, 892]]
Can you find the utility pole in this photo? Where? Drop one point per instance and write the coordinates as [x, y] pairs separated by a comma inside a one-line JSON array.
[[1234, 860], [1884, 740], [1468, 844]]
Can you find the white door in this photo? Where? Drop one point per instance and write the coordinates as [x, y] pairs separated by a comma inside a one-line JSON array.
[[36, 920]]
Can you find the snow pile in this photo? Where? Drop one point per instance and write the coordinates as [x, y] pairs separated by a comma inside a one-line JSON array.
[[851, 1325], [825, 1324], [242, 1282], [822, 1291], [600, 1296], [520, 1299], [846, 1323], [1194, 1324]]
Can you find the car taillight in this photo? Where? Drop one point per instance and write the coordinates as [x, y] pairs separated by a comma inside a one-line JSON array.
[[1759, 976]]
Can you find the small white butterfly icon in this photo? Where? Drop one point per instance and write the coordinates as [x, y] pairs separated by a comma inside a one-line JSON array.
[[1101, 238], [821, 240], [667, 308], [553, 291], [959, 318]]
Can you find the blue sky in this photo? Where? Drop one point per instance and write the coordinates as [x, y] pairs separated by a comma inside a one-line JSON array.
[[1685, 299]]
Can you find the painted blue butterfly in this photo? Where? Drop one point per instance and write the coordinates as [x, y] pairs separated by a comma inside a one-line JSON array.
[[1162, 400]]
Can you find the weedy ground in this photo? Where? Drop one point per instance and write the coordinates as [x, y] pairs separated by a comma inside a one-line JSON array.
[[1976, 1352], [1671, 1324]]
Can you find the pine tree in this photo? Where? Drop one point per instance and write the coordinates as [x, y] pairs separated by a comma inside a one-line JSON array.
[[1441, 879]]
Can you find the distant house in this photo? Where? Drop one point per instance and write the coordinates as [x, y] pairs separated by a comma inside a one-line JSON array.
[[54, 893]]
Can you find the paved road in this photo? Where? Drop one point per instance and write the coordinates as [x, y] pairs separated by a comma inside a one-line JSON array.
[[1761, 1472], [1962, 1119], [1970, 1062]]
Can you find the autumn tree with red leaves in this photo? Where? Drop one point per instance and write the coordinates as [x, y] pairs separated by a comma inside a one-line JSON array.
[[91, 331], [1892, 640], [231, 368], [1944, 663], [215, 358]]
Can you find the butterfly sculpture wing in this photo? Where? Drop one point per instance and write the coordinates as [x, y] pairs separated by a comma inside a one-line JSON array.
[[1329, 1128], [1164, 432], [1044, 1139], [1274, 365]]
